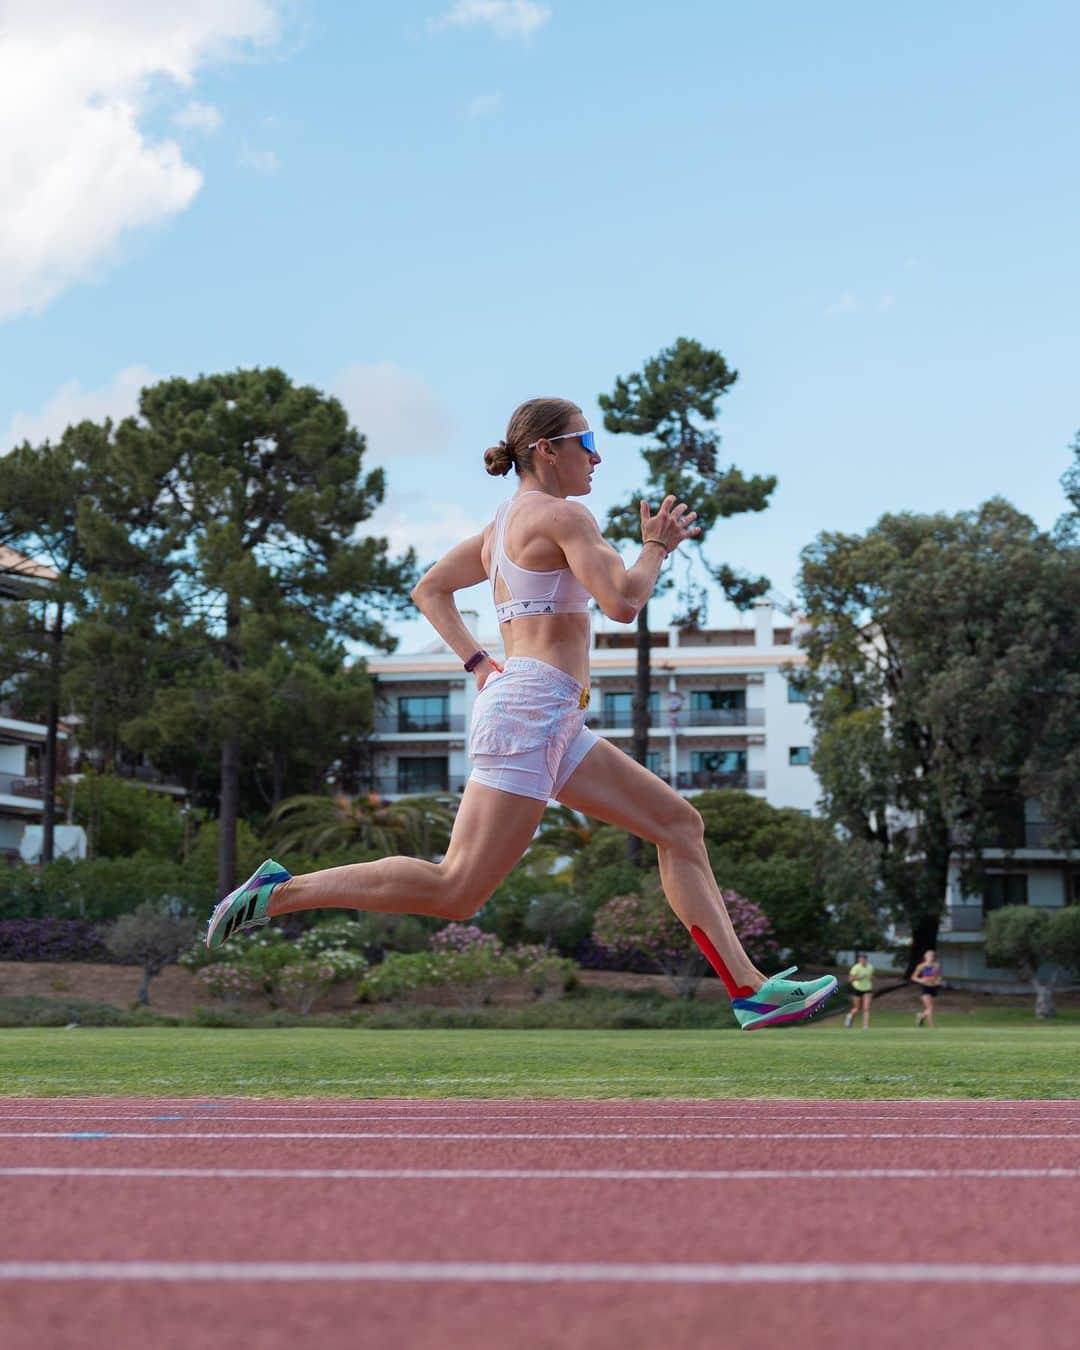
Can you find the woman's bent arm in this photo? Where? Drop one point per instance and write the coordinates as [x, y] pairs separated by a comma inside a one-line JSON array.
[[433, 594], [621, 591]]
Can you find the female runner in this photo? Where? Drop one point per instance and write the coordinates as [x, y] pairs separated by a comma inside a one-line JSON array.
[[927, 975], [545, 557]]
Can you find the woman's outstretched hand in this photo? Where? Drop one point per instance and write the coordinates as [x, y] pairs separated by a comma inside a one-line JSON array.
[[670, 526]]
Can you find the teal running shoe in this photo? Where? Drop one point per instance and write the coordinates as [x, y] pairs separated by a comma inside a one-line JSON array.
[[245, 907], [781, 1000]]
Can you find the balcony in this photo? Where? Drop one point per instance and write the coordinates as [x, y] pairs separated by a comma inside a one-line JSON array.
[[721, 717], [703, 779], [622, 719], [408, 724], [962, 919], [12, 785], [413, 786]]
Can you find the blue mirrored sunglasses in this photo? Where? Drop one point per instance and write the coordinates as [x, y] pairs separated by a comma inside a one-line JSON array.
[[587, 439]]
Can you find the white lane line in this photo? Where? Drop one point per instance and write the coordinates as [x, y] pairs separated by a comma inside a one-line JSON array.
[[558, 1174], [536, 1272], [607, 1118], [630, 1136]]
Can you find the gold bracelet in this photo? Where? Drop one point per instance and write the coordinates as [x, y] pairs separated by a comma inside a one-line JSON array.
[[667, 551]]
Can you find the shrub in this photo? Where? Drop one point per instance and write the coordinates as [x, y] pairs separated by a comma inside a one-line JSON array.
[[153, 937], [51, 940], [229, 981], [1042, 945], [293, 974], [122, 818], [465, 937], [469, 973]]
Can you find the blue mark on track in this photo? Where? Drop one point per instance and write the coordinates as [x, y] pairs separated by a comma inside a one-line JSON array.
[[166, 1117], [90, 1134]]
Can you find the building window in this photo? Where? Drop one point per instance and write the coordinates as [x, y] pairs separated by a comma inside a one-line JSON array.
[[710, 700], [619, 709], [427, 712], [653, 762], [1004, 888], [423, 773], [799, 754], [796, 695]]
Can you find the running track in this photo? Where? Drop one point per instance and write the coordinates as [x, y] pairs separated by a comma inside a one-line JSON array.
[[493, 1225]]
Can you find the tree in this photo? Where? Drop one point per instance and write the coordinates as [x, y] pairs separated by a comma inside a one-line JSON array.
[[811, 883], [673, 399], [61, 505], [416, 827], [151, 936], [121, 818], [1042, 945], [258, 494], [940, 650]]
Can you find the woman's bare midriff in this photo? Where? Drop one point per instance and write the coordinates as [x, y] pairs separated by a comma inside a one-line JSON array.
[[562, 640]]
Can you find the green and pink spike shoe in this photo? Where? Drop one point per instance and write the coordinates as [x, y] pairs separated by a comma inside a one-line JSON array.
[[245, 907], [780, 1000]]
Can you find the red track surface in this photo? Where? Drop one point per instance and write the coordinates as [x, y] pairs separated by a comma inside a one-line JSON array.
[[589, 1253]]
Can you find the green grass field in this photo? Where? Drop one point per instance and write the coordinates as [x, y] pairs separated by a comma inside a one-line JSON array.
[[992, 1056]]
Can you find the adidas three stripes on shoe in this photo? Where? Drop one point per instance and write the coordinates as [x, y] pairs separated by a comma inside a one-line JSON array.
[[245, 907]]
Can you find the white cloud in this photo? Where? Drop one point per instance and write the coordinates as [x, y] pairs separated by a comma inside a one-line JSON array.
[[199, 117], [262, 161], [505, 18], [847, 303], [427, 526], [483, 105], [80, 170], [72, 403], [401, 416]]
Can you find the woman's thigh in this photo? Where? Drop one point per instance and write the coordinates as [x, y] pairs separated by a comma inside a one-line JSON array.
[[492, 829], [616, 789]]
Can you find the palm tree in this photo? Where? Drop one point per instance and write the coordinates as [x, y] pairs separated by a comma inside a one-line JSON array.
[[417, 827]]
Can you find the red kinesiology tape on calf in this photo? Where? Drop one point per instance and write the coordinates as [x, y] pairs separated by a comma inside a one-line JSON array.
[[717, 962]]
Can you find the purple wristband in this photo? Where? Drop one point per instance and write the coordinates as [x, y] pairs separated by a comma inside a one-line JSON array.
[[475, 659]]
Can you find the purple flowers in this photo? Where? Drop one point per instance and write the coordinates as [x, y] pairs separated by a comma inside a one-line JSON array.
[[51, 940]]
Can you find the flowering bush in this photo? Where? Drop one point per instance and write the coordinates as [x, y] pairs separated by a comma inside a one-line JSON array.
[[464, 937], [51, 940], [301, 983], [293, 974], [631, 925], [469, 974], [338, 935], [228, 981]]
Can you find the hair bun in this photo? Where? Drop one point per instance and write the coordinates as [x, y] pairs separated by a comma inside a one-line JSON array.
[[499, 459]]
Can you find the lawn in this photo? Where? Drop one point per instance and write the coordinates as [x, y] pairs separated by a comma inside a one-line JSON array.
[[988, 1056]]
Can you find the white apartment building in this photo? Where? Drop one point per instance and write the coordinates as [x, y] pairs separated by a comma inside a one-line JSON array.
[[21, 743], [1024, 870], [722, 712]]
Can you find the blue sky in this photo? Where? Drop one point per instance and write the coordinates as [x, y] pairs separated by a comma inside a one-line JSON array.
[[438, 208]]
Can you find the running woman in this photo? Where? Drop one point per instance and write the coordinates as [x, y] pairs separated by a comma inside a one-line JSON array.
[[861, 976], [546, 559], [927, 975]]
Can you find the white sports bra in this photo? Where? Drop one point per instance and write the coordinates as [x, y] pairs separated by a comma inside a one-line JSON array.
[[557, 592]]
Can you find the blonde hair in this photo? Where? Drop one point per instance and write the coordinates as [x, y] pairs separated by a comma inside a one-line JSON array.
[[533, 420]]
